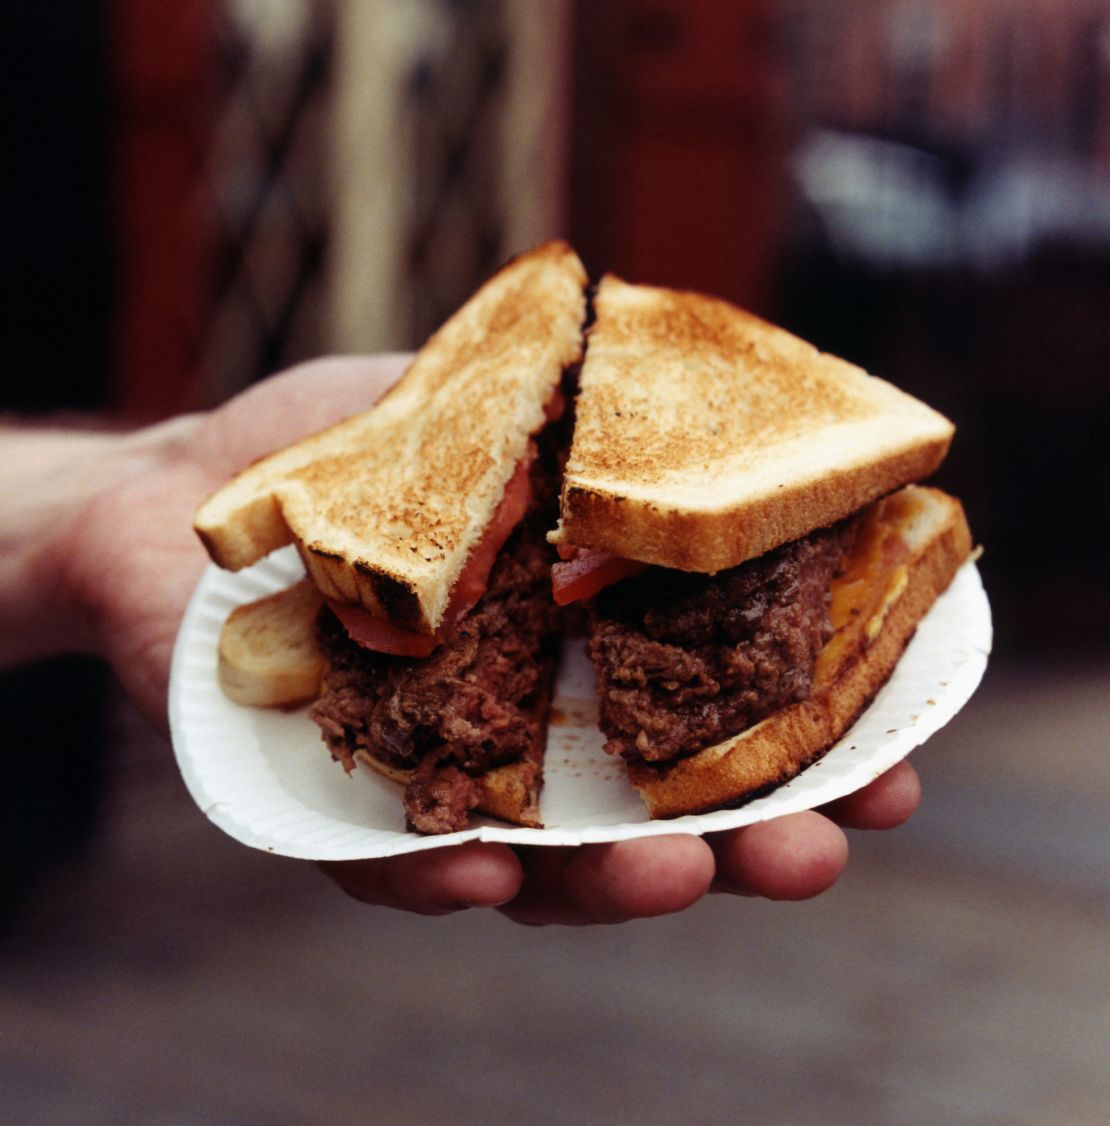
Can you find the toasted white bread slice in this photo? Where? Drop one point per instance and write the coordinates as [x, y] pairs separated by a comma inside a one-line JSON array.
[[385, 506], [269, 653], [705, 436], [911, 546]]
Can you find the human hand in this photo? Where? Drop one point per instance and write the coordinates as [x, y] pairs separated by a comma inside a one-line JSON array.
[[119, 569], [792, 857], [114, 573]]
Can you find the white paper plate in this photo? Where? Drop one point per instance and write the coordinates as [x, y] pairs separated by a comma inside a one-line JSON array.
[[265, 777]]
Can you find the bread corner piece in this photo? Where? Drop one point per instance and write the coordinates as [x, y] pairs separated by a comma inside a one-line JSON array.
[[269, 654], [385, 506], [850, 670], [705, 436]]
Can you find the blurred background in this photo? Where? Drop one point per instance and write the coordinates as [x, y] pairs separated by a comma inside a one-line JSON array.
[[201, 192]]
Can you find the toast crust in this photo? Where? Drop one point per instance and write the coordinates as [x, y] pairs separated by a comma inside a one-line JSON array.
[[850, 670], [705, 436], [385, 506]]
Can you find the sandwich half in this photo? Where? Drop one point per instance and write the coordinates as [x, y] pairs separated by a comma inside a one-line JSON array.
[[735, 518], [421, 524]]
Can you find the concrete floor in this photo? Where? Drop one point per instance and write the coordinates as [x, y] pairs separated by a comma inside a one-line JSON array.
[[958, 973]]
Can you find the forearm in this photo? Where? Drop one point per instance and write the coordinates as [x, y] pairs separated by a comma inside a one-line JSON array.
[[51, 475]]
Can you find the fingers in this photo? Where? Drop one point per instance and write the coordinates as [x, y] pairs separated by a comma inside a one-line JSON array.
[[788, 858], [592, 884], [433, 881], [885, 803], [612, 883], [801, 855], [792, 857]]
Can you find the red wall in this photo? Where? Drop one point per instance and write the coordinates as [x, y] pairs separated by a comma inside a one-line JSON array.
[[162, 55], [678, 142]]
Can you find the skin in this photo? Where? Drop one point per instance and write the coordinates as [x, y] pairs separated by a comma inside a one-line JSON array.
[[97, 555]]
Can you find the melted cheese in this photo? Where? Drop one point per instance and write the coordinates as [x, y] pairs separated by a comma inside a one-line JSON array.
[[873, 579]]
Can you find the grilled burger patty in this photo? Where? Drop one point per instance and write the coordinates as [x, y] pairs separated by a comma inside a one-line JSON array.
[[475, 703], [685, 661]]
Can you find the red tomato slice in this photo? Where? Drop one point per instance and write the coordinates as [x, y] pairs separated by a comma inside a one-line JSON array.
[[384, 637], [580, 578], [472, 581], [380, 635]]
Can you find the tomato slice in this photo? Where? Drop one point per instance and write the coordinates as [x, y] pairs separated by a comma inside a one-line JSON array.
[[381, 635], [472, 580], [385, 637], [589, 571]]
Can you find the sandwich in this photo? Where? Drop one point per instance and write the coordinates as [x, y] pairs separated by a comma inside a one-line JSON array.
[[739, 518], [737, 514], [421, 524]]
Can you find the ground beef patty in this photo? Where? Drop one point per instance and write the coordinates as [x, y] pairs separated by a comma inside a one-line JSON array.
[[686, 661], [470, 706]]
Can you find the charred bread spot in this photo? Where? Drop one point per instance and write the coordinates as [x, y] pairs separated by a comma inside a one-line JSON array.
[[397, 599], [584, 504]]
